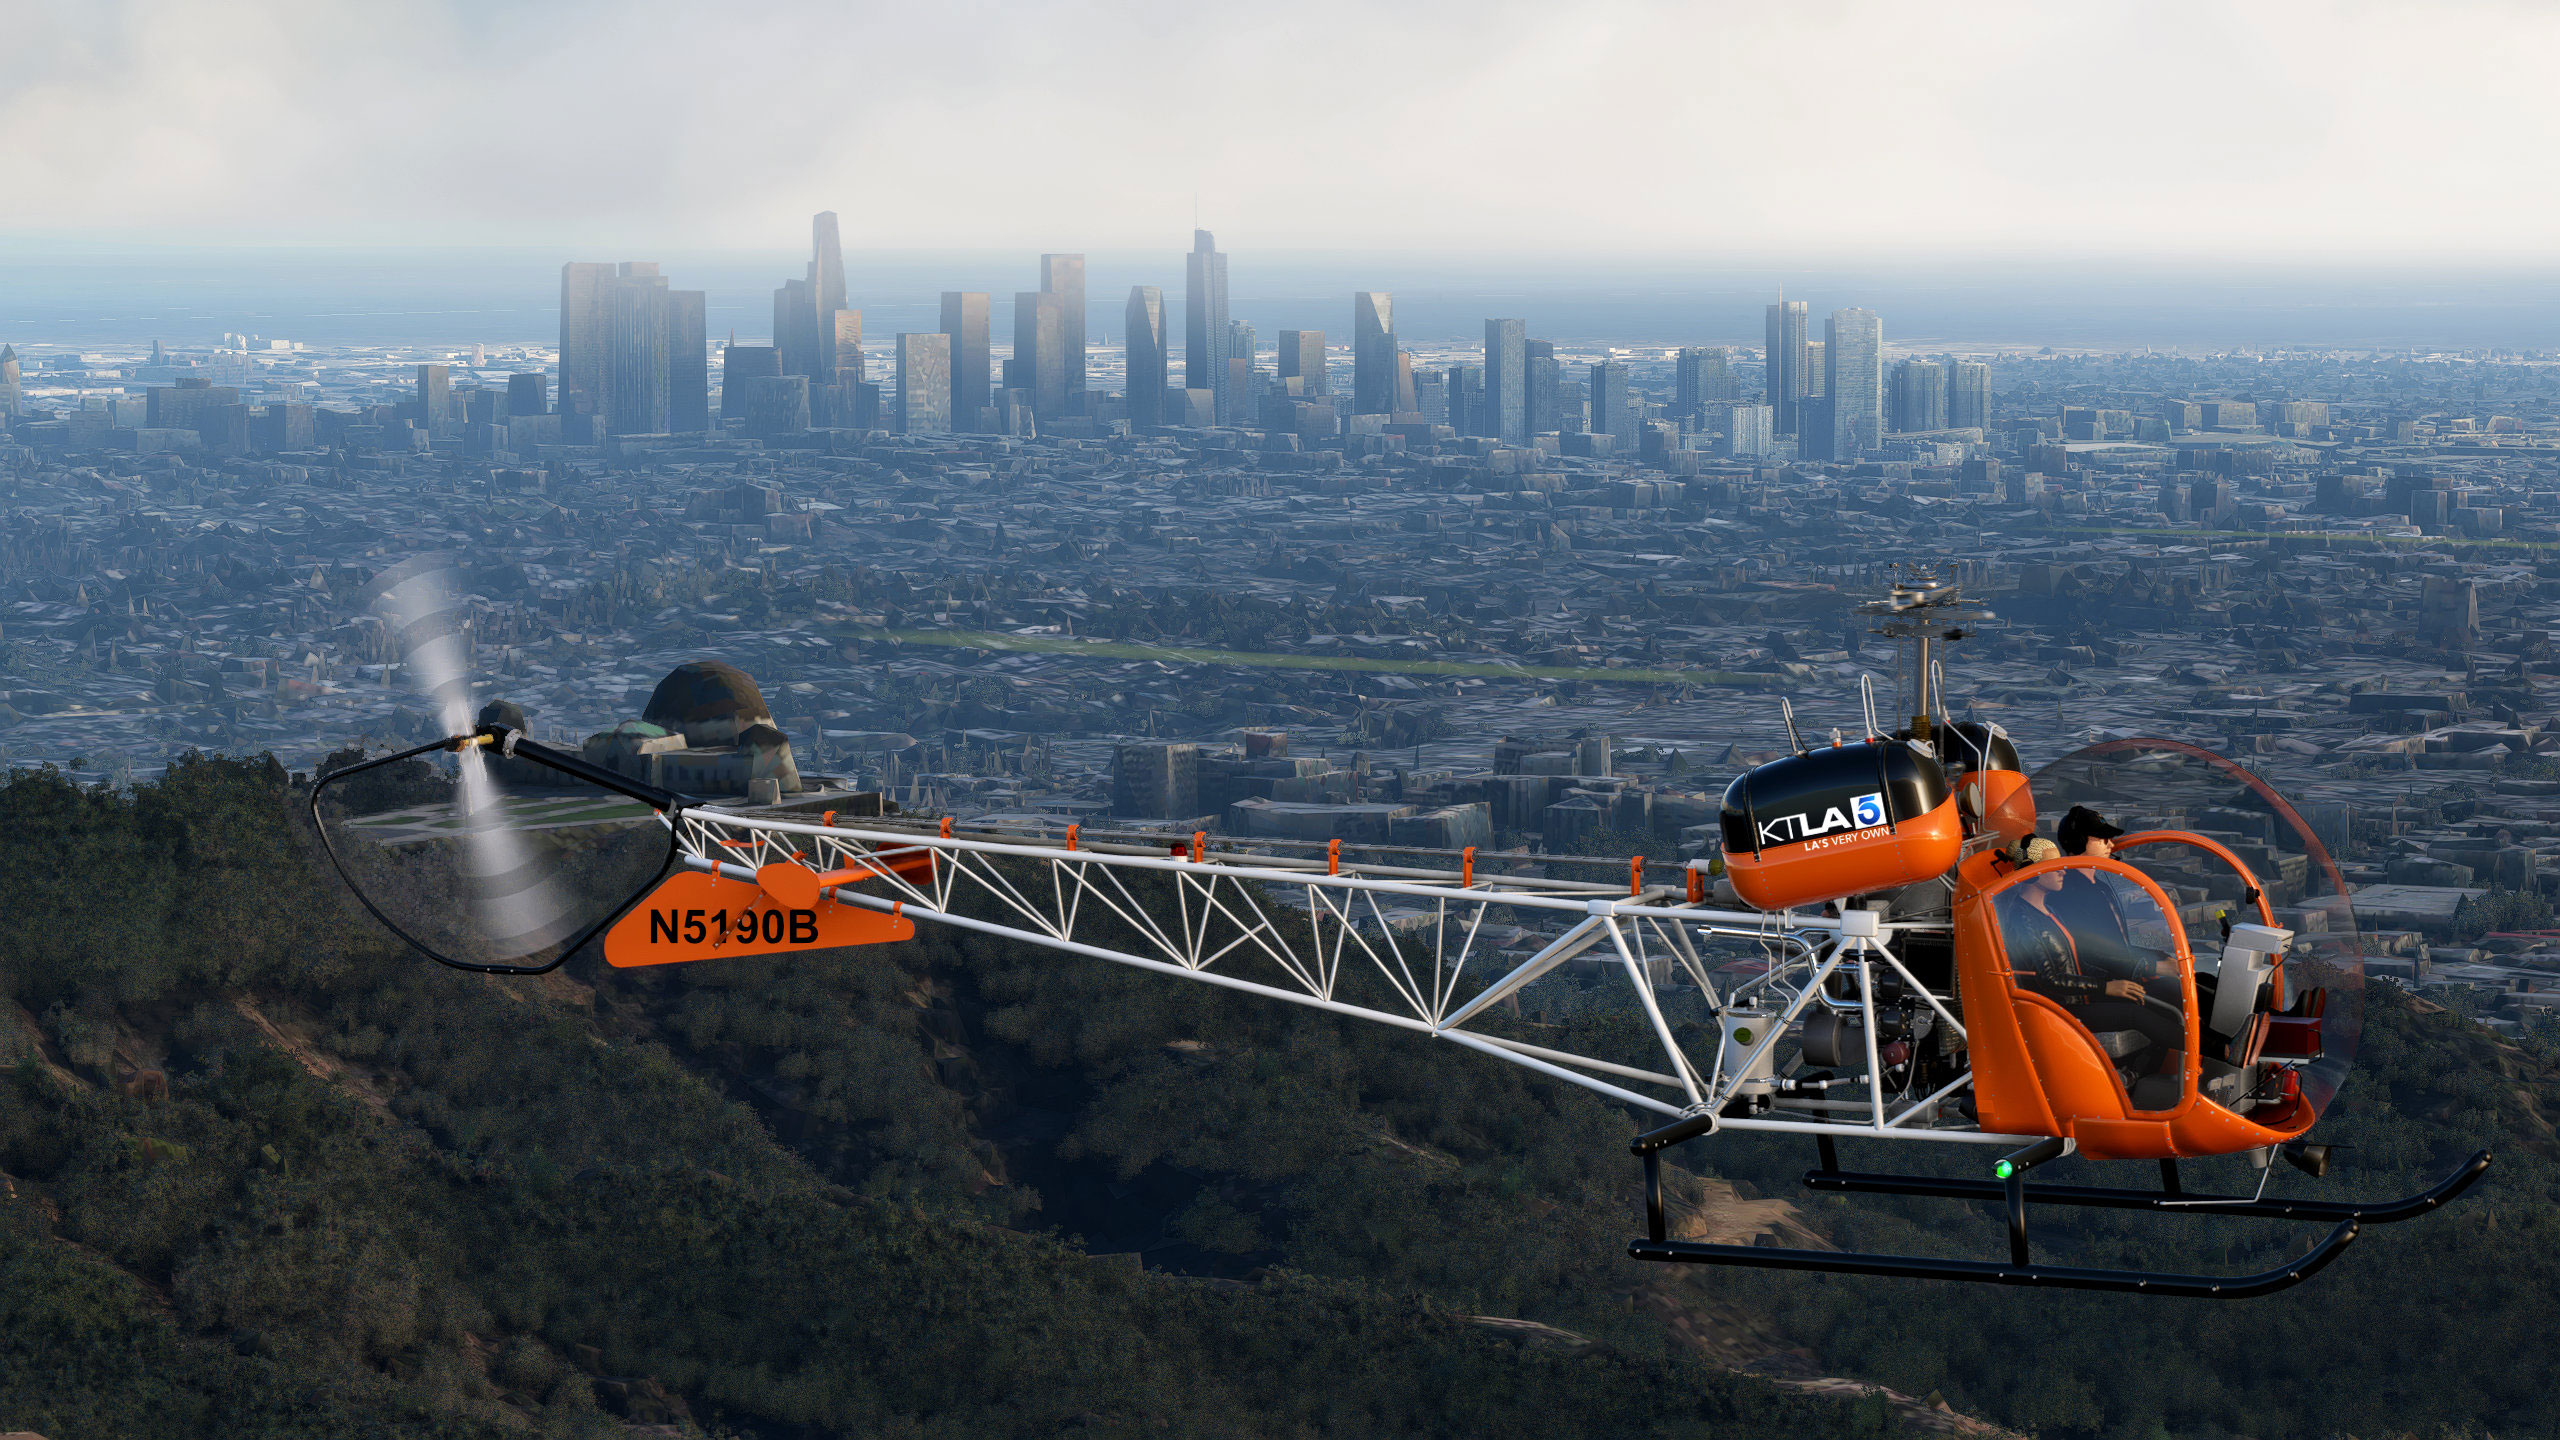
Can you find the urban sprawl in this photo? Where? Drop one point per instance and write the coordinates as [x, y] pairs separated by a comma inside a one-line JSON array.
[[1541, 598]]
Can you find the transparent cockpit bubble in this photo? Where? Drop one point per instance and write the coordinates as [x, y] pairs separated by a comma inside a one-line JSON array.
[[2143, 785], [487, 861]]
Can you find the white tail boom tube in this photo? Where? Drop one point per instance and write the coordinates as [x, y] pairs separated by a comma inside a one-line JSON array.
[[1222, 919]]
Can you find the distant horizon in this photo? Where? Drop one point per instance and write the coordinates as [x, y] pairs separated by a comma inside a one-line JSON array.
[[125, 292]]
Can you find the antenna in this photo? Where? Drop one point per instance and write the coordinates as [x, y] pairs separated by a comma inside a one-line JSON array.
[[1867, 696], [1787, 710]]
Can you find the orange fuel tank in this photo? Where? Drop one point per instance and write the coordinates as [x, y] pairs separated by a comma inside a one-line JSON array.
[[1841, 821]]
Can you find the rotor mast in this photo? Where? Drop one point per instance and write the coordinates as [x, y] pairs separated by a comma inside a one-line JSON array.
[[1924, 611]]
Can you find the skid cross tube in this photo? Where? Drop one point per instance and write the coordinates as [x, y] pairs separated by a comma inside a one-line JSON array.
[[2174, 1201]]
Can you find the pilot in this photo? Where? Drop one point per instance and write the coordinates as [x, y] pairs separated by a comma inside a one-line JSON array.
[[2089, 903], [2046, 952]]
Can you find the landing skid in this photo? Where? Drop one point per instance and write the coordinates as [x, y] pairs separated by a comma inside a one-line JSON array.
[[2168, 1200], [2050, 1277], [2015, 1194]]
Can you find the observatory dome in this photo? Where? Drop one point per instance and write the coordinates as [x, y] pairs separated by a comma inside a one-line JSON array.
[[708, 701]]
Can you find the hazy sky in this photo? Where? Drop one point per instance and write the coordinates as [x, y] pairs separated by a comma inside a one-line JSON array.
[[1843, 127]]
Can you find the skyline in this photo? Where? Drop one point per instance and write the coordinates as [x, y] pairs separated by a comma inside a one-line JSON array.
[[1849, 129], [129, 294]]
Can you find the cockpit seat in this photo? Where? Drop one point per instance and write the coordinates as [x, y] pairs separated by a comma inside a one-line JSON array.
[[2158, 1092], [2120, 1045]]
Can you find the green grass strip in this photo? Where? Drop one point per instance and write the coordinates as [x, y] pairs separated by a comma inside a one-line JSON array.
[[1197, 655]]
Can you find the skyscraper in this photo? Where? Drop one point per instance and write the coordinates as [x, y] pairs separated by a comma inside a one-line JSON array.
[[435, 398], [826, 263], [688, 363], [740, 367], [795, 329], [1610, 414], [1039, 362], [844, 346], [1373, 353], [637, 357], [582, 336], [964, 319], [1506, 380], [1700, 378], [826, 285], [1545, 396], [1236, 395], [1302, 356], [1204, 313], [13, 395], [924, 383], [1786, 362], [1742, 431], [1144, 327], [1919, 396], [1063, 276], [527, 395], [1853, 379], [1968, 394], [1466, 398]]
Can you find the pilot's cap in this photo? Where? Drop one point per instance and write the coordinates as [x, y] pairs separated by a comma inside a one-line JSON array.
[[2081, 826]]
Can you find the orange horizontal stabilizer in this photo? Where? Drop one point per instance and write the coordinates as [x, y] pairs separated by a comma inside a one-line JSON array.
[[797, 885], [696, 916]]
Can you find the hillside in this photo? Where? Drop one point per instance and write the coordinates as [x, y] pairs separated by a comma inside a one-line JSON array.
[[269, 1174]]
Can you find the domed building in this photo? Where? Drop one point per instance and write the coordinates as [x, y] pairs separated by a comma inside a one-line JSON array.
[[705, 731], [708, 702]]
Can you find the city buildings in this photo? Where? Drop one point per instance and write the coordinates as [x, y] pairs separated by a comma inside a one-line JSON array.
[[1039, 362], [435, 399], [1373, 354], [1853, 381], [638, 352], [1063, 276], [1506, 380], [965, 321], [582, 336], [1204, 315], [1968, 394], [632, 352], [1786, 361], [1301, 357], [1920, 395], [924, 384], [1142, 329], [1701, 378], [1611, 414], [1546, 389]]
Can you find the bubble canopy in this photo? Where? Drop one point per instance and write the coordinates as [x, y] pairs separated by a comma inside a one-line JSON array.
[[2259, 861]]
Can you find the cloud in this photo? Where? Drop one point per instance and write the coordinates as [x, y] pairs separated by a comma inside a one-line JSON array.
[[1835, 127]]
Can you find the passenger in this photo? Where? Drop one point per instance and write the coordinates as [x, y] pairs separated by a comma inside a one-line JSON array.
[[2045, 955]]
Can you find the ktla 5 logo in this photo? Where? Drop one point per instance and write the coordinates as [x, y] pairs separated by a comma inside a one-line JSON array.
[[1863, 811]]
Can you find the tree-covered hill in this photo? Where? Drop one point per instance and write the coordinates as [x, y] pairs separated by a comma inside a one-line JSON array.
[[270, 1174]]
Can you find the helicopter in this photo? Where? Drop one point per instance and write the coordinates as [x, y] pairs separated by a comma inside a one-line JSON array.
[[1919, 965]]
